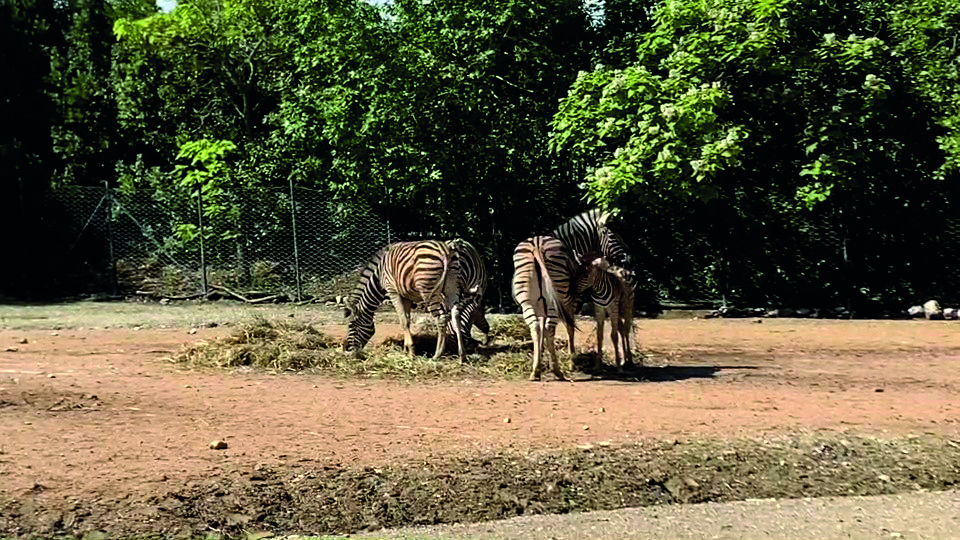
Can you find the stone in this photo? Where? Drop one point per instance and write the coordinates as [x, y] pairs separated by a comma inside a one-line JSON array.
[[932, 310]]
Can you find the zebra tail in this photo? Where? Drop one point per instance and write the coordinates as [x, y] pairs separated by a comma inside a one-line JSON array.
[[550, 290]]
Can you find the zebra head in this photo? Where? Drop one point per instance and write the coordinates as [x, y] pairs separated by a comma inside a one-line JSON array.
[[359, 332], [479, 317], [613, 247], [362, 304]]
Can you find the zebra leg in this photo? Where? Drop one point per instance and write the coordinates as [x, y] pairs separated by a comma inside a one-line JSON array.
[[625, 328], [457, 330], [549, 338], [443, 319], [536, 333], [570, 333], [600, 314], [402, 305], [451, 308], [615, 335]]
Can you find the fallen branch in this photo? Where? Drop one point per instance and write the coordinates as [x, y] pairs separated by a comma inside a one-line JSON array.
[[234, 294], [266, 299], [165, 297]]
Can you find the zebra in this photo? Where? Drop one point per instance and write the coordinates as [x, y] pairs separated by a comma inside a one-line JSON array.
[[588, 236], [406, 272], [542, 279], [612, 294], [472, 284]]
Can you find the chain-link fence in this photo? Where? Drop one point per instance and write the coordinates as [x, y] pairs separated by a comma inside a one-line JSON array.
[[266, 244], [868, 254], [295, 244]]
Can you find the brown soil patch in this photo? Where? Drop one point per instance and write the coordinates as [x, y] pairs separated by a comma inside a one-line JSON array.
[[117, 439]]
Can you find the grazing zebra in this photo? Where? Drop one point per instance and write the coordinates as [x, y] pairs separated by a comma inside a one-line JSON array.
[[542, 279], [472, 284], [407, 272], [589, 236], [611, 292]]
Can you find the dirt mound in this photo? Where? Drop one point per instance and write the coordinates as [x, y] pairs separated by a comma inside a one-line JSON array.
[[309, 498], [51, 400]]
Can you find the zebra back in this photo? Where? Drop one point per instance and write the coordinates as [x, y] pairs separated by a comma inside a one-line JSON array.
[[418, 271], [543, 281], [589, 236]]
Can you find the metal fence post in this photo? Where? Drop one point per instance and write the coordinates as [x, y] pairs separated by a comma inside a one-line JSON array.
[[296, 253], [113, 260], [203, 261]]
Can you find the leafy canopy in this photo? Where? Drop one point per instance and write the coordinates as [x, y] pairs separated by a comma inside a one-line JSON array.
[[724, 93]]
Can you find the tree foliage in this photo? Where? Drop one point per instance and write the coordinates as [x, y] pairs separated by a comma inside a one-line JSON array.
[[809, 95], [804, 124]]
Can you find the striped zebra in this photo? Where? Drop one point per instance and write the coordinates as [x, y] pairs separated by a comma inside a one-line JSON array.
[[589, 236], [542, 279], [472, 284], [407, 272], [611, 292]]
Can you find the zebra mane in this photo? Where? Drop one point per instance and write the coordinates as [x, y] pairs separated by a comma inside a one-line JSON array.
[[369, 283]]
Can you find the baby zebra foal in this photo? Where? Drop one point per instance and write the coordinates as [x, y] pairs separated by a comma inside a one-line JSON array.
[[471, 284], [406, 272], [612, 295]]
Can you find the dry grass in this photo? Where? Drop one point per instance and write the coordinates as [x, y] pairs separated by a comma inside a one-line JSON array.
[[278, 345], [283, 345], [511, 328]]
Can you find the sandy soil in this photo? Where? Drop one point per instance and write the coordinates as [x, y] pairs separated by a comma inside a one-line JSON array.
[[103, 413]]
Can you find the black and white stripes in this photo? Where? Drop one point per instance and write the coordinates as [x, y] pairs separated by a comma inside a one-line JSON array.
[[610, 290], [543, 286], [588, 236], [425, 272], [472, 284]]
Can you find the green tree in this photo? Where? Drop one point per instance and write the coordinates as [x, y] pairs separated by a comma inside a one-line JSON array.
[[768, 108], [86, 138], [925, 37], [208, 70], [717, 83], [437, 113]]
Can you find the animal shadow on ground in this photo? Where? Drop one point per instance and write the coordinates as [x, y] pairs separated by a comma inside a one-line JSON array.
[[633, 373], [426, 345]]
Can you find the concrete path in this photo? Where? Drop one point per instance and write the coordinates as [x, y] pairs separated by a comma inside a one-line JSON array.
[[908, 516]]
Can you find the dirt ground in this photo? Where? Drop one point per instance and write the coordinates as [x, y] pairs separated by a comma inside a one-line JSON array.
[[102, 419]]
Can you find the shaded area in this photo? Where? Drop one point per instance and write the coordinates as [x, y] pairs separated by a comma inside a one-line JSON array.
[[309, 497]]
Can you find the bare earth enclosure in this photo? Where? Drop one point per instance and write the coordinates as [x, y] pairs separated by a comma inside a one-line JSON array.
[[99, 430]]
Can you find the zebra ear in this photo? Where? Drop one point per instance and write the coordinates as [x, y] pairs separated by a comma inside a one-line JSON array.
[[347, 312], [604, 217]]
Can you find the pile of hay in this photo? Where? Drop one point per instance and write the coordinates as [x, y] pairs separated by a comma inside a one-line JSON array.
[[278, 345], [293, 346], [511, 328]]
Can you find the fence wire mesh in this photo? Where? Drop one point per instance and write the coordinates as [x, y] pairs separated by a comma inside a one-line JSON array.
[[291, 244], [296, 244]]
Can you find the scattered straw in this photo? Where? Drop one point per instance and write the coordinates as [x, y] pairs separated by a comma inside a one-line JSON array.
[[294, 346]]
